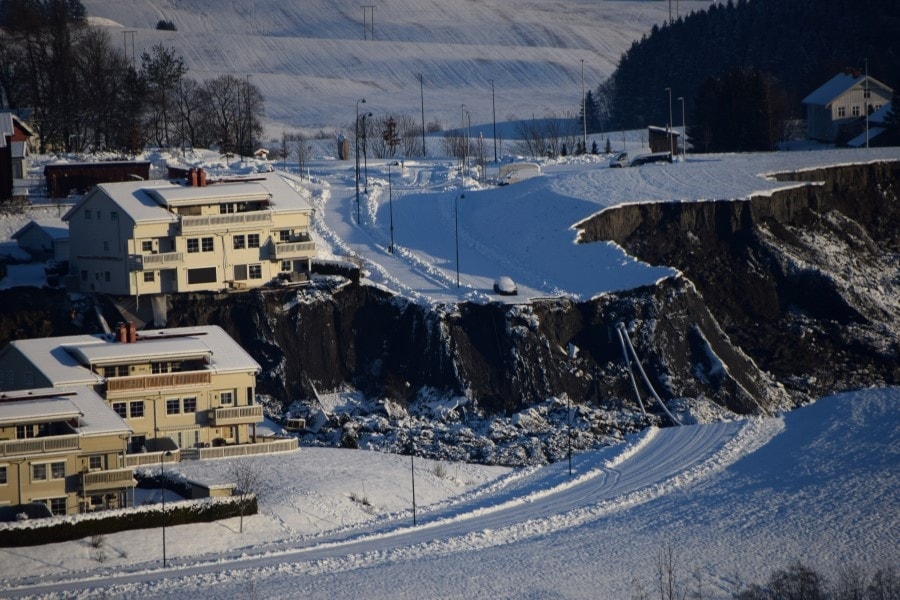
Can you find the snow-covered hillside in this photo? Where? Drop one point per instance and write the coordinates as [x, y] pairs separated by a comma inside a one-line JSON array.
[[311, 61], [735, 500]]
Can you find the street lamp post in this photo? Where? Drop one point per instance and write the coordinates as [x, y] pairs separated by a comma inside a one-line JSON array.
[[391, 203], [494, 113], [356, 136], [412, 471], [249, 119], [162, 483], [669, 125], [365, 154], [456, 222], [683, 129], [465, 148], [422, 97], [583, 111]]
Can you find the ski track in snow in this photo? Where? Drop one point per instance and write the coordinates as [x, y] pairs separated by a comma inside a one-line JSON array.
[[529, 503]]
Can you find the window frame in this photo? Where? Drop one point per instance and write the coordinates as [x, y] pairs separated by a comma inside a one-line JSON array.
[[136, 414], [253, 240], [192, 245], [173, 406], [207, 244], [239, 242]]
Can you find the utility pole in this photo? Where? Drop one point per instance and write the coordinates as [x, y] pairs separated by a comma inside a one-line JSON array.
[[422, 97], [369, 10], [494, 113], [356, 136], [669, 126], [866, 103], [583, 111]]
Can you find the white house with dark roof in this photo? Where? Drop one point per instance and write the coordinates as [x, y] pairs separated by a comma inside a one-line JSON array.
[[836, 111], [188, 387], [44, 239], [63, 448], [153, 237]]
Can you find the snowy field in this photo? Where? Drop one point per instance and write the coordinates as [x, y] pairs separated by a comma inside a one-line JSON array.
[[736, 500]]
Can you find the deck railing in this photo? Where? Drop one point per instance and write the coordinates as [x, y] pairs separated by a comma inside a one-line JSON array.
[[42, 445], [152, 382], [104, 480]]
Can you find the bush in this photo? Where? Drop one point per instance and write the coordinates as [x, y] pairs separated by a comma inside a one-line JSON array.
[[164, 25]]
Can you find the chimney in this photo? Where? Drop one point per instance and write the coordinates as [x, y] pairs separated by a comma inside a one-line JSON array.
[[122, 334], [132, 333], [202, 177], [192, 177]]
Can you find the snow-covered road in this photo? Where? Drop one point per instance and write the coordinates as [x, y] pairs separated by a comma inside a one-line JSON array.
[[526, 504]]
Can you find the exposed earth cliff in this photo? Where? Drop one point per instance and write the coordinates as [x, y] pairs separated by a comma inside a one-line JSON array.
[[782, 298]]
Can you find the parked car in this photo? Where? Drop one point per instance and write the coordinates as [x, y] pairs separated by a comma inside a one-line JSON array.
[[621, 159], [505, 286]]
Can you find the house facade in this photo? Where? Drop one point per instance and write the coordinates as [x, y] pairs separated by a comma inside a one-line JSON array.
[[14, 134], [189, 387], [158, 237], [837, 110], [65, 449]]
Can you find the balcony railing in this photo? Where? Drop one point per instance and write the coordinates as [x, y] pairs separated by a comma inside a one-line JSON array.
[[139, 262], [142, 459], [42, 445], [235, 416], [215, 222], [294, 250], [122, 385], [106, 480]]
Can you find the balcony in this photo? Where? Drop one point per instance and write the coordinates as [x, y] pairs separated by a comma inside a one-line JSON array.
[[143, 459], [140, 262], [123, 385], [99, 481], [42, 445], [288, 250], [201, 223], [238, 415]]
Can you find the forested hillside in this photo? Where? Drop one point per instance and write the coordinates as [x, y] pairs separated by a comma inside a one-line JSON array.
[[799, 43]]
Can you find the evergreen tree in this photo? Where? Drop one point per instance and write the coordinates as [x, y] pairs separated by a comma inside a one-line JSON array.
[[608, 148], [594, 149]]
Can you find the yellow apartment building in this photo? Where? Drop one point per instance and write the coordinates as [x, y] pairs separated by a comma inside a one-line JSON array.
[[159, 237], [65, 449]]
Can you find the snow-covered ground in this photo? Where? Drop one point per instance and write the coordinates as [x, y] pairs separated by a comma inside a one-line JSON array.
[[735, 500]]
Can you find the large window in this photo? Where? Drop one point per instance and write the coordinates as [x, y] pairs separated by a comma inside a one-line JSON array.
[[201, 275], [284, 235], [240, 272], [190, 404], [137, 409], [147, 246], [193, 245], [138, 443], [253, 240], [48, 471], [207, 244], [173, 406], [95, 463]]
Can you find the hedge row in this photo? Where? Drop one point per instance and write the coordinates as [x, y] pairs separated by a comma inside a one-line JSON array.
[[181, 513]]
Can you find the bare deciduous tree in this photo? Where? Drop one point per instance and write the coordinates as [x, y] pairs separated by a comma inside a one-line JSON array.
[[247, 478]]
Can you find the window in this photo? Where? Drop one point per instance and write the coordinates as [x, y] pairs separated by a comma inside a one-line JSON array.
[[253, 240], [147, 246], [149, 276], [39, 472], [286, 265], [106, 276], [87, 215], [24, 432], [137, 409], [57, 470], [226, 208], [240, 272], [3, 480], [113, 216], [841, 112], [226, 398], [854, 111], [201, 275], [95, 463], [284, 235], [255, 271], [239, 242], [138, 443], [193, 245], [207, 244], [99, 215], [190, 404], [47, 471], [57, 506], [120, 408], [173, 406]]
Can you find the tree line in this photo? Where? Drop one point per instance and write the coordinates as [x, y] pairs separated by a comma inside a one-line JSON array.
[[86, 94], [743, 68]]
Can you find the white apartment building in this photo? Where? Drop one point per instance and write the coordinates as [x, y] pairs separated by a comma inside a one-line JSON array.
[[158, 237]]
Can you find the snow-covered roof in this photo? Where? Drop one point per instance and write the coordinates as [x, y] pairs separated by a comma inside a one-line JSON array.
[[132, 198], [91, 412], [54, 228], [65, 361], [839, 84], [148, 201]]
